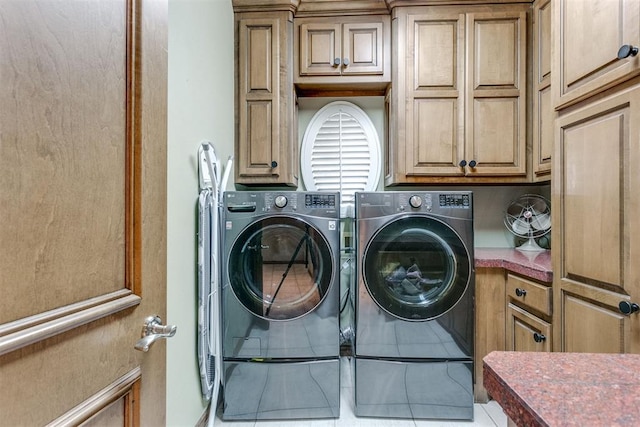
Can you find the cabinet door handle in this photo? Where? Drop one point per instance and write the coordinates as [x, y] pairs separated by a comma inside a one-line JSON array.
[[628, 308], [626, 51], [274, 164], [521, 292], [462, 163], [538, 337], [336, 62], [472, 164], [345, 62]]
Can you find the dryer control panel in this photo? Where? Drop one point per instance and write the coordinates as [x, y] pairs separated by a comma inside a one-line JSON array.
[[455, 201]]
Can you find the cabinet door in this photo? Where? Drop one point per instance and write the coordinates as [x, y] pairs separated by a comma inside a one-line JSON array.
[[362, 52], [434, 88], [348, 53], [596, 198], [526, 332], [266, 150], [490, 308], [589, 35], [496, 94], [543, 112], [320, 49]]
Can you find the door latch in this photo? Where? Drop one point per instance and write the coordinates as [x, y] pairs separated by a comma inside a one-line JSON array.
[[152, 331]]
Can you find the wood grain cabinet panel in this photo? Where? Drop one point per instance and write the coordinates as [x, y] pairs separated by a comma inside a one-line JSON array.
[[266, 144], [526, 292], [589, 34], [490, 321], [345, 50], [543, 112], [529, 310], [459, 95], [526, 332], [596, 197]]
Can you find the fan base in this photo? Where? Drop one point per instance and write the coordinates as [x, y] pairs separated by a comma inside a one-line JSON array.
[[530, 246]]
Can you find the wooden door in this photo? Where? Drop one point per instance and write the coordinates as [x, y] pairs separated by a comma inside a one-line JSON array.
[[320, 48], [82, 210], [434, 88], [495, 124], [588, 36], [266, 145], [596, 198], [362, 48], [543, 113]]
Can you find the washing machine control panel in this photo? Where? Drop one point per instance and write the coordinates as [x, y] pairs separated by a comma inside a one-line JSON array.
[[280, 201], [320, 200], [455, 201]]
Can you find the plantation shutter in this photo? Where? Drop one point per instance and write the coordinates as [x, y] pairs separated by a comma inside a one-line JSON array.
[[341, 152]]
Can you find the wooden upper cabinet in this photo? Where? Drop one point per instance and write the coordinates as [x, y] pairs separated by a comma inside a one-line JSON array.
[[589, 35], [459, 95], [596, 197], [543, 112], [496, 125], [266, 140], [342, 50]]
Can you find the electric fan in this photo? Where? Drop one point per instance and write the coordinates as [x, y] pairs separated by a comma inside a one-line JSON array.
[[529, 217]]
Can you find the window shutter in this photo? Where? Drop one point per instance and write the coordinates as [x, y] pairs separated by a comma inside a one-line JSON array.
[[341, 152]]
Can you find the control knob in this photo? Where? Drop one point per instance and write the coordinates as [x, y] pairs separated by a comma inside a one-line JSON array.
[[415, 201], [280, 201]]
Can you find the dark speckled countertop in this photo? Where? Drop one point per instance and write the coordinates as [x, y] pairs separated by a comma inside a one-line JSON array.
[[565, 389], [536, 265]]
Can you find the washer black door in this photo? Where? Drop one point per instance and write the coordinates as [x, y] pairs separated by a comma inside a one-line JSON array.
[[416, 268], [280, 268]]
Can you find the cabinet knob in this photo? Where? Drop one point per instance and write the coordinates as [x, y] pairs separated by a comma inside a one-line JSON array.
[[626, 51], [538, 337], [521, 292], [345, 61], [274, 164], [336, 62], [628, 308], [463, 163], [472, 164]]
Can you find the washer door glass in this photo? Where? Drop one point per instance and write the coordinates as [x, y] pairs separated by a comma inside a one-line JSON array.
[[280, 268], [416, 268]]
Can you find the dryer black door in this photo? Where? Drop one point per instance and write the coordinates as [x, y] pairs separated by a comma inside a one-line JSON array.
[[416, 268], [280, 267]]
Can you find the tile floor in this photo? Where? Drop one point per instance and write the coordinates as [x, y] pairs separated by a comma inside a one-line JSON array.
[[485, 415]]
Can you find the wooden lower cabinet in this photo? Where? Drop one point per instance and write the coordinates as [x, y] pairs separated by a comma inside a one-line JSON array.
[[490, 321], [526, 332], [528, 326], [512, 312]]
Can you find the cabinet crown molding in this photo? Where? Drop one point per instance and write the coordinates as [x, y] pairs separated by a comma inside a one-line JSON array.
[[265, 5], [341, 7], [396, 3]]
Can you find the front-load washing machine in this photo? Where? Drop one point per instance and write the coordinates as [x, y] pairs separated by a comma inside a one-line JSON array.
[[414, 305], [280, 305]]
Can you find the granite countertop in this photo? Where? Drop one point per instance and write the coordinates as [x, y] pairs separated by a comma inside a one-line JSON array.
[[536, 265], [565, 389]]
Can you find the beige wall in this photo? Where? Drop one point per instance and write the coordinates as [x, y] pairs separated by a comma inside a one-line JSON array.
[[200, 108]]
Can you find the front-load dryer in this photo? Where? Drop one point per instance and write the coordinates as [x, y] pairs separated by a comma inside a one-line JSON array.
[[280, 305], [414, 305]]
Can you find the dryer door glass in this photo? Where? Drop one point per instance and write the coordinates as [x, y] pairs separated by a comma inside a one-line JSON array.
[[416, 268], [280, 268]]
